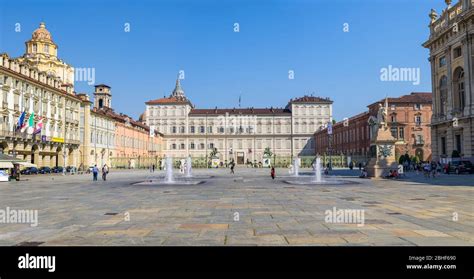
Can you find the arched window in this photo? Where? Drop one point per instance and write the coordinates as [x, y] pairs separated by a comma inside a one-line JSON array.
[[443, 94], [458, 88]]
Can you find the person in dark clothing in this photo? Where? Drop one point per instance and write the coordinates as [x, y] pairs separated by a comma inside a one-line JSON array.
[[272, 173], [105, 171]]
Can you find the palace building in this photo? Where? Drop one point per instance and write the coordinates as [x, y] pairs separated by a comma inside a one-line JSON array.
[[238, 134], [452, 73], [114, 138], [97, 130], [409, 121], [67, 129], [39, 85]]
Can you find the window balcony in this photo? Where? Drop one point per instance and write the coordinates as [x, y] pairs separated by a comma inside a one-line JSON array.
[[419, 142]]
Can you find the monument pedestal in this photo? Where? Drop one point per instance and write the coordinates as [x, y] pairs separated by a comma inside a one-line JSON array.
[[382, 151]]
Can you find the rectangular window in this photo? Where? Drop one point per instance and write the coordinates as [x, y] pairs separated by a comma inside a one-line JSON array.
[[201, 129], [193, 129], [401, 133], [458, 143], [442, 61], [394, 131], [443, 145], [457, 52], [418, 120]]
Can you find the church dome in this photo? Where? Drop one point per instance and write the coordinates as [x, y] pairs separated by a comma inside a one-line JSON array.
[[42, 34]]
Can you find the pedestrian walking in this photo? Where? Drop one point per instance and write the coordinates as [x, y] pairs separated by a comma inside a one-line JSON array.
[[105, 171], [153, 168], [232, 165], [95, 173], [272, 173]]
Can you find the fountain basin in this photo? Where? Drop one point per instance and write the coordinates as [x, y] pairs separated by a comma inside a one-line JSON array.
[[175, 182], [324, 182]]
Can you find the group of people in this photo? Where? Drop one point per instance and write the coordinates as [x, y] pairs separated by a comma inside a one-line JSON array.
[[95, 172], [431, 169]]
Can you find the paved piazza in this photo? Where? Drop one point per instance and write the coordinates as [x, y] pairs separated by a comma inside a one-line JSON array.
[[73, 210]]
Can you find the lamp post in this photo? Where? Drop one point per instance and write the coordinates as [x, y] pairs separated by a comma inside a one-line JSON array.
[[64, 158], [330, 144]]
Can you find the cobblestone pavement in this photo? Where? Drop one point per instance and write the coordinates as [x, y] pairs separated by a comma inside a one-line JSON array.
[[73, 210]]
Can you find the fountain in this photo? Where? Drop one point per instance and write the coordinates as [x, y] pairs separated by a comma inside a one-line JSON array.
[[169, 178], [296, 167], [315, 178], [169, 170], [318, 170], [188, 167]]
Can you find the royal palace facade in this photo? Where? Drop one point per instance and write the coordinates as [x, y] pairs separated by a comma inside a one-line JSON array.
[[238, 134], [452, 73]]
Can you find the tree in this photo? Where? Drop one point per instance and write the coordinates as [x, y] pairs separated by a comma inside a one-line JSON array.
[[455, 154], [267, 152]]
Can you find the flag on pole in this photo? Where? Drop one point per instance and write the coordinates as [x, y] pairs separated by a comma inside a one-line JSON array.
[[20, 121], [39, 126], [329, 128], [29, 125], [24, 125]]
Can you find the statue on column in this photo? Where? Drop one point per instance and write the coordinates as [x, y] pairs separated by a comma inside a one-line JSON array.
[[382, 114]]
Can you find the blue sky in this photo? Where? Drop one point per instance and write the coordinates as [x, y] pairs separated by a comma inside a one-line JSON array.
[[220, 65]]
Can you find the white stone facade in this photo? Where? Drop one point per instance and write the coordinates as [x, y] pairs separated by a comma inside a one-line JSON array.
[[238, 134]]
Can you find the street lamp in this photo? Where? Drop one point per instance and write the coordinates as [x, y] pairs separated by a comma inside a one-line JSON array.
[[64, 158], [330, 144]]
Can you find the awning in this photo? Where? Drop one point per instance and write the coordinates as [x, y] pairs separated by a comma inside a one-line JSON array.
[[26, 164], [6, 165]]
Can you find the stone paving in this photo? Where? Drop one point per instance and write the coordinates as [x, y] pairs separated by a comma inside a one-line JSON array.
[[73, 210]]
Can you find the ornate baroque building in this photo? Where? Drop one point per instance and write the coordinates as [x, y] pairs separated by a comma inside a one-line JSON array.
[[240, 134], [73, 133], [452, 74], [42, 53], [42, 84]]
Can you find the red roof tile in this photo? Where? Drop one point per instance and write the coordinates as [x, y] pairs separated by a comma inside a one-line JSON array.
[[169, 100]]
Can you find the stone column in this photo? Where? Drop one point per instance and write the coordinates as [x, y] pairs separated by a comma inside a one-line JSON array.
[[470, 74], [435, 89], [467, 139], [450, 96], [449, 140], [466, 50]]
